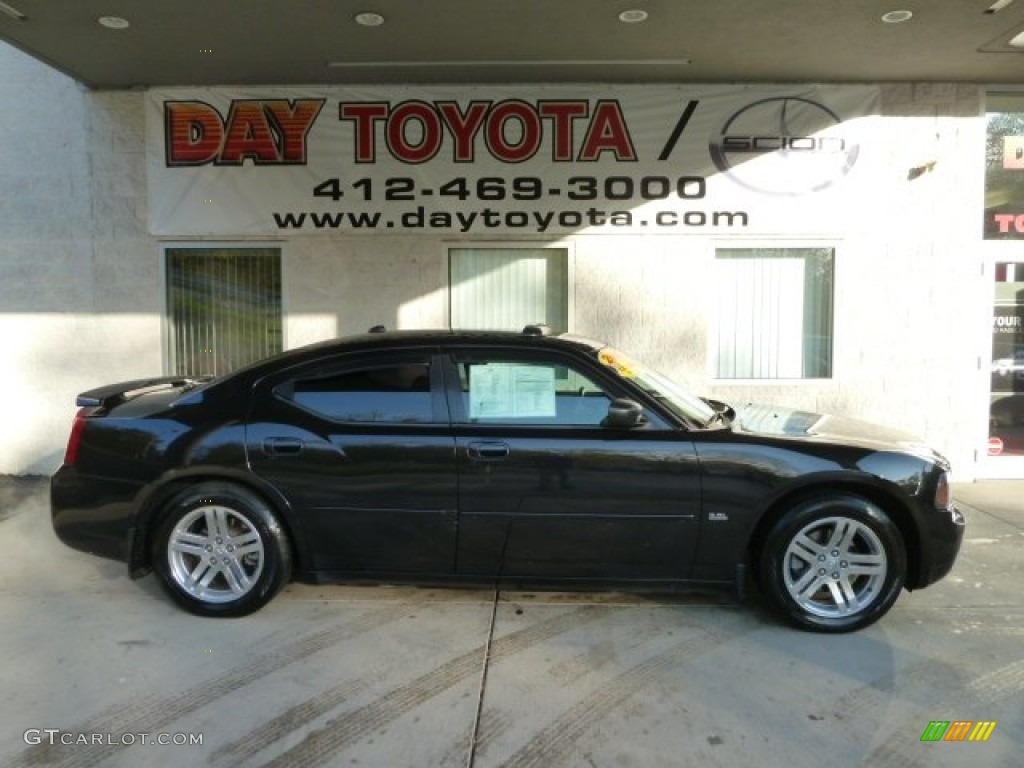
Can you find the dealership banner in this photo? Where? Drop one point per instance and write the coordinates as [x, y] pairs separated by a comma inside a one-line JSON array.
[[519, 160]]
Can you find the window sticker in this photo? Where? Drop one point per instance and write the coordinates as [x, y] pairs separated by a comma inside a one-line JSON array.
[[509, 391], [619, 362]]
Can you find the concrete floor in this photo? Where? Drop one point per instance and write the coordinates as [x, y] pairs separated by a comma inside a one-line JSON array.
[[393, 677]]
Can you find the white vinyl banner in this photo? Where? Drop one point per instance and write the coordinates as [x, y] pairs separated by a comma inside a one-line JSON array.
[[525, 160]]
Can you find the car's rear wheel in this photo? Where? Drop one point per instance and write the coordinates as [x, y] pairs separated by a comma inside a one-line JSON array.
[[833, 563], [220, 551]]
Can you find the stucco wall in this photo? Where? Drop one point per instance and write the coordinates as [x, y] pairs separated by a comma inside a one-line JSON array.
[[913, 306], [81, 291], [79, 278]]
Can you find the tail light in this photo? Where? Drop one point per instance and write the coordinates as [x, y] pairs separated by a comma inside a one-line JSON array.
[[71, 454], [943, 497]]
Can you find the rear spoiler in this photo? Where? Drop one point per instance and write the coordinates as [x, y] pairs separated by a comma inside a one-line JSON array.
[[115, 394]]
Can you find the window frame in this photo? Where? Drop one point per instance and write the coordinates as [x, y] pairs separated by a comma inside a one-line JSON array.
[[281, 247], [714, 310], [356, 361], [454, 356], [524, 245]]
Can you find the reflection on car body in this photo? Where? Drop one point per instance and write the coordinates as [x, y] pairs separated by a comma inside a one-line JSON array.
[[495, 458]]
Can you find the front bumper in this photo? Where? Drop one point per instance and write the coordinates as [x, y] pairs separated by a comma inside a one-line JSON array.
[[940, 544]]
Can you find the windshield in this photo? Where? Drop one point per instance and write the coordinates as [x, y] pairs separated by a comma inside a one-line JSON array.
[[683, 404]]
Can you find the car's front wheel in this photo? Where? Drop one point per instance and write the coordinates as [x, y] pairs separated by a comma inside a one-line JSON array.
[[833, 563], [220, 551]]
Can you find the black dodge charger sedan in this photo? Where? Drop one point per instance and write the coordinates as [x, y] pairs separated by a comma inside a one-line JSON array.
[[495, 458]]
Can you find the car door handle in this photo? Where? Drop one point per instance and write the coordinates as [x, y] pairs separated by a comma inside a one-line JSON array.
[[487, 451], [282, 446]]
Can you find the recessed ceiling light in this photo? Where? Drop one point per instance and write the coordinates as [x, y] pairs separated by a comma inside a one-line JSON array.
[[369, 19], [1017, 41], [13, 12], [634, 16], [896, 17], [113, 22]]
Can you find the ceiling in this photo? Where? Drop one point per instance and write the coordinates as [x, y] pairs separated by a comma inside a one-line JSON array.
[[221, 42]]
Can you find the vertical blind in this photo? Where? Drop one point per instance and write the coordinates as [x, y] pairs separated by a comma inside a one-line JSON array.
[[224, 308], [774, 313], [508, 288]]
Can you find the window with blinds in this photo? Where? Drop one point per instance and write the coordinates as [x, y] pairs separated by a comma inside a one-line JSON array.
[[508, 288], [223, 308], [774, 313]]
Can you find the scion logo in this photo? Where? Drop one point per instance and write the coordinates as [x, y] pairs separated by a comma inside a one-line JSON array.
[[783, 146]]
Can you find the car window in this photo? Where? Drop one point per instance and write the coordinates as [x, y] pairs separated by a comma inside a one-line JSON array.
[[530, 393], [393, 393]]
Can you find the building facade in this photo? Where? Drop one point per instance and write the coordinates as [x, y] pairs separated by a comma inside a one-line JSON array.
[[817, 247]]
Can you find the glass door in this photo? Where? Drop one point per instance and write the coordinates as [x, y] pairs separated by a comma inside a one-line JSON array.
[[1003, 234], [1006, 395]]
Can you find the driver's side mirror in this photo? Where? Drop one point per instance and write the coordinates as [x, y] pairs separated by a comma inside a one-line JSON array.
[[624, 414]]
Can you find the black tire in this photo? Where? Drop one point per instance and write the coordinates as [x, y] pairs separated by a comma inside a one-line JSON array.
[[833, 563], [219, 550]]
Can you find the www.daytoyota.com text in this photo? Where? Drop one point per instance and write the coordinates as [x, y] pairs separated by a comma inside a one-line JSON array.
[[614, 201]]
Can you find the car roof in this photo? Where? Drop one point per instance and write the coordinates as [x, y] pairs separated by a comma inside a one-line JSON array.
[[532, 336]]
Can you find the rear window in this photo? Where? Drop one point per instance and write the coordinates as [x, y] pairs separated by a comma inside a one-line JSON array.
[[397, 393]]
